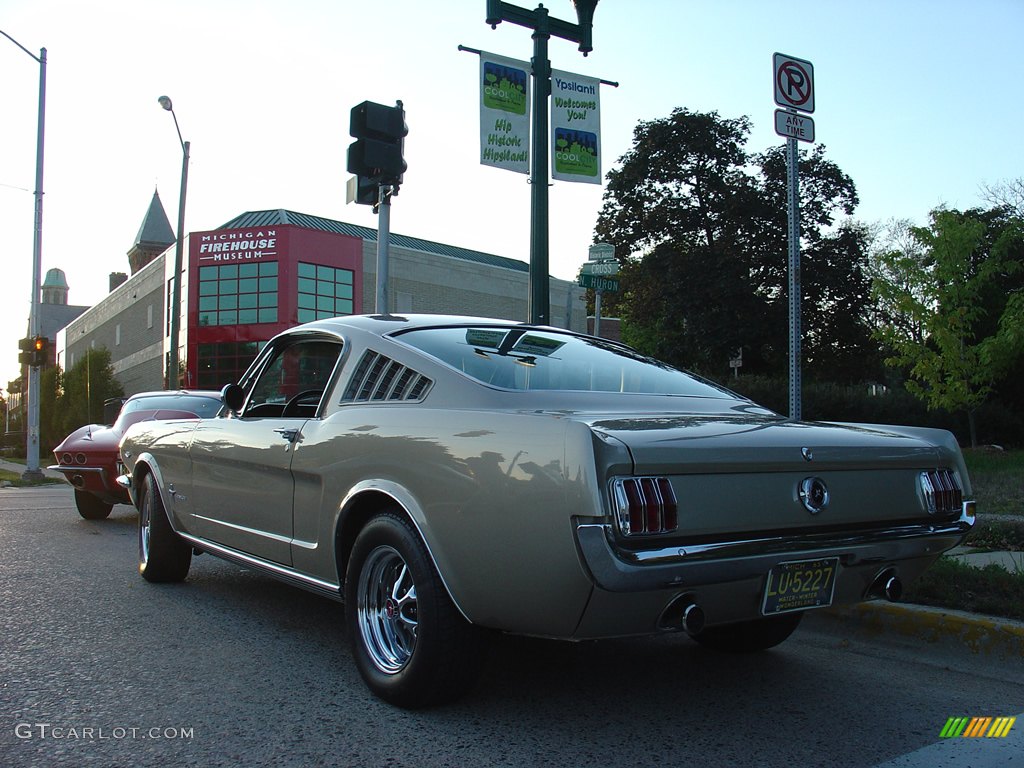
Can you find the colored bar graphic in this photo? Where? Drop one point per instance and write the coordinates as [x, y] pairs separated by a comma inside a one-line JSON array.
[[977, 727]]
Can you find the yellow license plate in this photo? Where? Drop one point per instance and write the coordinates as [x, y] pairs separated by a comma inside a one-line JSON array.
[[800, 584]]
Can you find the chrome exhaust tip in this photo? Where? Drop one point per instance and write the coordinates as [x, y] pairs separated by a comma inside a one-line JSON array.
[[693, 619], [887, 585], [682, 613], [893, 589]]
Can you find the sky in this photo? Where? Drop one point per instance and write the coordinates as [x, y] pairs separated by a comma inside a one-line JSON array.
[[919, 101]]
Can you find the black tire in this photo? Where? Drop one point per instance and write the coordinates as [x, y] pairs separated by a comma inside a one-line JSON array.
[[163, 555], [91, 507], [750, 636], [411, 645]]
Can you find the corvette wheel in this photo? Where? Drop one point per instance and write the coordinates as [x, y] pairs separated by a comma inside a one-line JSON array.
[[163, 554], [411, 645], [90, 506], [750, 636]]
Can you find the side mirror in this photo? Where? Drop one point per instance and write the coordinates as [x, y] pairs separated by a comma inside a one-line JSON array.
[[233, 396]]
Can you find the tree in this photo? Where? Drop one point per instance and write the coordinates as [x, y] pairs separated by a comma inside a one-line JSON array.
[[85, 387], [948, 318], [704, 225]]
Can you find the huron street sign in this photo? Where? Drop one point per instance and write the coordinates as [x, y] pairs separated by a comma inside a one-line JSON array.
[[599, 283]]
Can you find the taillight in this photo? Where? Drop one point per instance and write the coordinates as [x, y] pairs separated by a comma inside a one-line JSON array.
[[645, 506], [943, 494]]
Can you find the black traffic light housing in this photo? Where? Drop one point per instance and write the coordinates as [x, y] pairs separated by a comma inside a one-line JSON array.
[[35, 351], [376, 156]]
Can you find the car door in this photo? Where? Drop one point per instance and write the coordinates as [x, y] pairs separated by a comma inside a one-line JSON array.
[[242, 482]]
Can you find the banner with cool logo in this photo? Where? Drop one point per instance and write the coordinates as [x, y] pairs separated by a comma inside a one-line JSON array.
[[575, 128], [504, 113]]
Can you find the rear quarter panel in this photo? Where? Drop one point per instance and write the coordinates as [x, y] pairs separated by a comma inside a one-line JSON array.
[[493, 494]]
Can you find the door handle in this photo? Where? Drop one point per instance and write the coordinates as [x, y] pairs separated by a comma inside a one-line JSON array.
[[287, 433]]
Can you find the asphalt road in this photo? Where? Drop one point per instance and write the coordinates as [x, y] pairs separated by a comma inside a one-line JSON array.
[[99, 668]]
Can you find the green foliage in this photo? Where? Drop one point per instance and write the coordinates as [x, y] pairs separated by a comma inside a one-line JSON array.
[[944, 317], [990, 590], [83, 389], [823, 401], [702, 227]]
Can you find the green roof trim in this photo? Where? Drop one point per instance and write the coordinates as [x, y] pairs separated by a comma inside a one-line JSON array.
[[280, 216]]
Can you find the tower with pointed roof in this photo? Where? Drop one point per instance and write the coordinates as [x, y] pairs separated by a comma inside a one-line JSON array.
[[155, 236]]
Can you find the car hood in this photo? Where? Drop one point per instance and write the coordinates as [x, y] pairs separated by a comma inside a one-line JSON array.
[[710, 443]]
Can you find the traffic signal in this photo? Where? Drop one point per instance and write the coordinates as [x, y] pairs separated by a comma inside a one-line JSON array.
[[376, 156], [40, 351], [28, 350], [35, 351]]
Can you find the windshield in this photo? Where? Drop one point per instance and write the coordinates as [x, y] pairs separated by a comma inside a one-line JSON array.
[[531, 359], [150, 407]]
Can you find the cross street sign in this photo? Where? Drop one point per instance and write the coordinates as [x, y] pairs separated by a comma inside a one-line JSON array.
[[794, 82], [603, 267]]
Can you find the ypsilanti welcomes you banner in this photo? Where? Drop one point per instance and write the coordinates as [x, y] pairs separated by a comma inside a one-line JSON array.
[[575, 128], [504, 113]]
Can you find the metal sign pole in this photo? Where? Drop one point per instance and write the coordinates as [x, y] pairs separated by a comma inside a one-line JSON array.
[[597, 312], [793, 206], [383, 242]]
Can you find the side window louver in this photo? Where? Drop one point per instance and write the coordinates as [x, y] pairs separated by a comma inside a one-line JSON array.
[[380, 378]]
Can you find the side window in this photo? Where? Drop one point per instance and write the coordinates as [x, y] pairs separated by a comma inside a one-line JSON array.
[[293, 382]]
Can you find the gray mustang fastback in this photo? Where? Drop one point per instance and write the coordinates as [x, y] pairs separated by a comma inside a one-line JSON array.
[[445, 476]]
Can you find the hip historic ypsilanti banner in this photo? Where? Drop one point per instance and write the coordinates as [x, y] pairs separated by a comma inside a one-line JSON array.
[[504, 113], [575, 127]]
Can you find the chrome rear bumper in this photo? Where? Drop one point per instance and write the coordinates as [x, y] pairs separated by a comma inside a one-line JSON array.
[[618, 570]]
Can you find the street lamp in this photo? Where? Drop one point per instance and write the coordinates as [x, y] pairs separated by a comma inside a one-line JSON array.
[[175, 307], [32, 471], [543, 27]]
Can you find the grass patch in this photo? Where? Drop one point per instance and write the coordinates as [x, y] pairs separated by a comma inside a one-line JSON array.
[[991, 533], [14, 478], [991, 590], [998, 480]]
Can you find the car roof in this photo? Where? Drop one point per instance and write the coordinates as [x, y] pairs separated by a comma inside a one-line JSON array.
[[383, 325]]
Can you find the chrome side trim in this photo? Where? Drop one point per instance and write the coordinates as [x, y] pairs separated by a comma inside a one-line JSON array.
[[280, 572], [618, 570]]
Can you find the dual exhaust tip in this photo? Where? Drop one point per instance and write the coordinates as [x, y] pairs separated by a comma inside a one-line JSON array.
[[683, 613]]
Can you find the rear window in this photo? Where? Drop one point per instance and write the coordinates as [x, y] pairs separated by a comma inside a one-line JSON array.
[[531, 359]]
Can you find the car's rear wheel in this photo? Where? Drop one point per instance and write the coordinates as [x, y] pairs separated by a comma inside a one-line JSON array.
[[749, 636], [90, 506], [163, 554], [411, 645]]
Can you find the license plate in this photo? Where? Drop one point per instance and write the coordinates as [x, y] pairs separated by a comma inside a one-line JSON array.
[[800, 584]]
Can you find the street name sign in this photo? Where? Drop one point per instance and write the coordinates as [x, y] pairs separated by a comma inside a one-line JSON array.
[[601, 252], [793, 125], [605, 267], [599, 283]]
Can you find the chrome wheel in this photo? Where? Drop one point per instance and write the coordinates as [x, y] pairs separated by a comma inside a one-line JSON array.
[[387, 611], [145, 527]]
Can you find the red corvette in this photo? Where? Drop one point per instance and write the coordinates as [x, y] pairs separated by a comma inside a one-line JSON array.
[[88, 456]]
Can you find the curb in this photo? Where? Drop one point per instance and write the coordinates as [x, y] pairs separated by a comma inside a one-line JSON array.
[[982, 635]]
